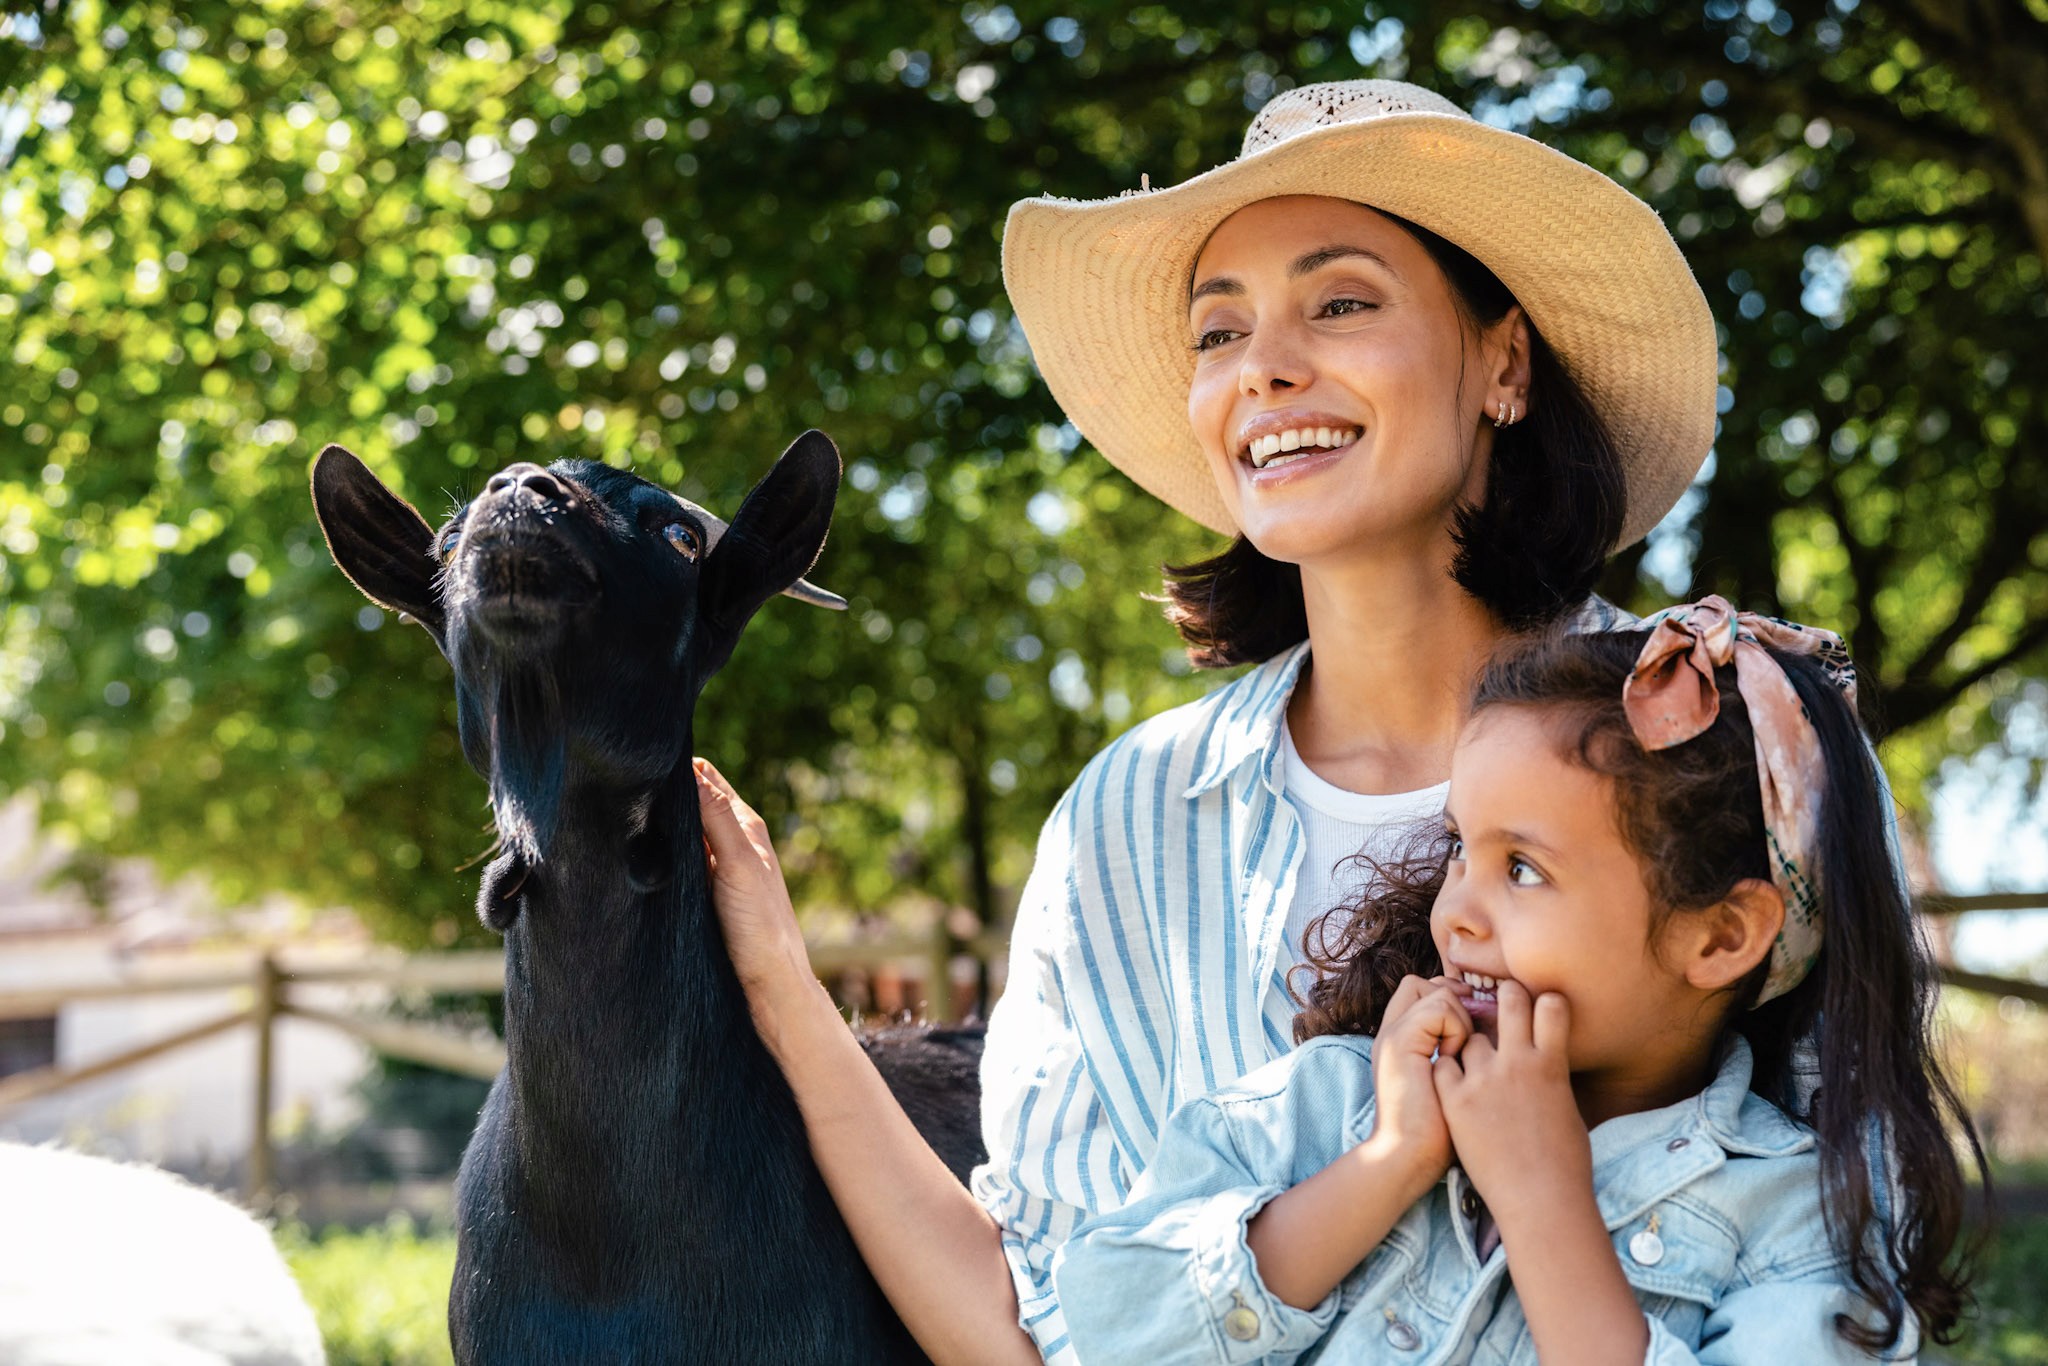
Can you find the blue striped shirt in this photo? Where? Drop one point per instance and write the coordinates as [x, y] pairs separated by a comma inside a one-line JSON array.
[[1146, 965]]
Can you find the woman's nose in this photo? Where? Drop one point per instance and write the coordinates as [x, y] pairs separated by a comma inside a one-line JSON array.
[[1274, 360]]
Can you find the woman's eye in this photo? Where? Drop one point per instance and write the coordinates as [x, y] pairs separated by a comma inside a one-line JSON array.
[[1340, 307], [448, 542], [1214, 338], [1523, 873], [682, 538]]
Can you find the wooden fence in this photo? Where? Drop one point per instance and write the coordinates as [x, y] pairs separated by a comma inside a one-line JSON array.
[[931, 988]]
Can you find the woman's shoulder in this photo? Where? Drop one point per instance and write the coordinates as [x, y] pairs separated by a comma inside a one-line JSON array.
[[1199, 739]]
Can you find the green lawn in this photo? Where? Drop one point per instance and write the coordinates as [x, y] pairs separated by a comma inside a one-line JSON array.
[[381, 1294]]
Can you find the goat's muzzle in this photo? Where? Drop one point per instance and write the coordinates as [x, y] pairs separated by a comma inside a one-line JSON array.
[[518, 569]]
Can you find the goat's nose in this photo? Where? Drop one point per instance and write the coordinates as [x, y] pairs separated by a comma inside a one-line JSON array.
[[530, 477]]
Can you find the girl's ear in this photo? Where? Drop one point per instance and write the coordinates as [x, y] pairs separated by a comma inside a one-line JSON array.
[[1723, 944]]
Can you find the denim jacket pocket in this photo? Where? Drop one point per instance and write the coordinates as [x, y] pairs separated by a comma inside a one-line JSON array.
[[1679, 1258], [1374, 1279]]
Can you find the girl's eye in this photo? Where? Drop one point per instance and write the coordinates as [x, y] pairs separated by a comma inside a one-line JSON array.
[[1457, 854], [449, 539], [1214, 338], [1518, 868], [683, 539]]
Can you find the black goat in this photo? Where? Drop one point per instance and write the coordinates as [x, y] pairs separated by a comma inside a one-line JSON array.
[[639, 1188]]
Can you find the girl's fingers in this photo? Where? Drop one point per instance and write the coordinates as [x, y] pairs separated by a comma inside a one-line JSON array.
[[1553, 1022], [1404, 998], [1513, 999], [1438, 1023]]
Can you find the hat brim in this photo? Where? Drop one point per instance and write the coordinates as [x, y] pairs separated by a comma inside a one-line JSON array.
[[1101, 290]]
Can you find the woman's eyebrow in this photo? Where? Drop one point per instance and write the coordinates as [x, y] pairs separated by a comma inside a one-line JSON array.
[[1322, 256], [1302, 265]]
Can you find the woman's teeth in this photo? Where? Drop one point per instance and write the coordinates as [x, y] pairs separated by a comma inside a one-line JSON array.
[[1281, 447]]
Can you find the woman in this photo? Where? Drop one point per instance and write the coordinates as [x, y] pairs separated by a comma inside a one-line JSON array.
[[1426, 423]]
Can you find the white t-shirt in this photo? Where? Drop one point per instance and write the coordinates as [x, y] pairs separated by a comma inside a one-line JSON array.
[[1336, 825]]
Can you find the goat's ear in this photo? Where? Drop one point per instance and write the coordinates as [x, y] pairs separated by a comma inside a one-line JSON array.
[[497, 898], [772, 542], [384, 546]]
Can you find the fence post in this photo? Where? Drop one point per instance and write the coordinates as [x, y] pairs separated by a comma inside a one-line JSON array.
[[261, 1178]]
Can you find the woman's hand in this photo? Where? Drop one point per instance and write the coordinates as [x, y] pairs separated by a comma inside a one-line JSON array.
[[754, 911], [1511, 1111], [1425, 1020]]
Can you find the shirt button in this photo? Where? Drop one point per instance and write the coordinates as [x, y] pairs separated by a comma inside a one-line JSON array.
[[1240, 1324], [1402, 1336]]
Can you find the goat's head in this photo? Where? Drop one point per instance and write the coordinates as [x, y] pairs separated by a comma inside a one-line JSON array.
[[582, 608]]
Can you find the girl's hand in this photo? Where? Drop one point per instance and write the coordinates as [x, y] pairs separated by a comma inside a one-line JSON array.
[[754, 911], [1425, 1019], [1511, 1111]]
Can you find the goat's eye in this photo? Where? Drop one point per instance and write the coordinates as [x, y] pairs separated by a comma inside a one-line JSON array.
[[682, 538], [449, 540]]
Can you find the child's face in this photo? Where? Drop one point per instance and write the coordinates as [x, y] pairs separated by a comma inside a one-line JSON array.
[[1542, 889]]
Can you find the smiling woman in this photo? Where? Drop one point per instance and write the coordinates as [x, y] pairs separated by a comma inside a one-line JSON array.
[[1426, 375], [1381, 313]]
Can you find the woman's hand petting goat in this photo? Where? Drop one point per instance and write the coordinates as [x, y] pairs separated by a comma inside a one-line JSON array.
[[937, 1254], [754, 911]]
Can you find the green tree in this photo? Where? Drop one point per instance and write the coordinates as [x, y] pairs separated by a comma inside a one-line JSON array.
[[454, 233]]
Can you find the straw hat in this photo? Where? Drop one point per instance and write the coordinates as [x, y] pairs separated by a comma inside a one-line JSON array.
[[1101, 287]]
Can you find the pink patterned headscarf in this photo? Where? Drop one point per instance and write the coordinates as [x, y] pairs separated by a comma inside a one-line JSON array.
[[1671, 697]]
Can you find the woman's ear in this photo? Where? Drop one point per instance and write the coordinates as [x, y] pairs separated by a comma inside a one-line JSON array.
[[1722, 944], [1508, 358]]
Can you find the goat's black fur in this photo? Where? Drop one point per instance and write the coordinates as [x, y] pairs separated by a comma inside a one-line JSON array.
[[639, 1188]]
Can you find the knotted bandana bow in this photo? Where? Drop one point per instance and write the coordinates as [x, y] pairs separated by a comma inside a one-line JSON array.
[[1671, 697]]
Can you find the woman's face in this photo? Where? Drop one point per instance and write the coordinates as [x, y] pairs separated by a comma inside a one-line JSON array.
[[1324, 329]]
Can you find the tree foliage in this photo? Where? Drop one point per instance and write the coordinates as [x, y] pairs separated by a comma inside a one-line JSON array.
[[454, 233]]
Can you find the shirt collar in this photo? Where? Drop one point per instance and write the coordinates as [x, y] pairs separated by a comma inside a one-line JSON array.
[[1244, 722], [1641, 1158]]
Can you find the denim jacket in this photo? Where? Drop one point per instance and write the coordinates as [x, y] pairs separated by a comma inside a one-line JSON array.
[[1714, 1205]]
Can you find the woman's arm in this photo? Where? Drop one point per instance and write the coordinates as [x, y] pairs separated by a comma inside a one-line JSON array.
[[936, 1253]]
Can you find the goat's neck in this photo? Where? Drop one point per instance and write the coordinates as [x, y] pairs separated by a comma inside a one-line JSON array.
[[619, 1002]]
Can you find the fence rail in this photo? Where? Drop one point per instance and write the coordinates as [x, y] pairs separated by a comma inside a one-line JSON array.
[[482, 972]]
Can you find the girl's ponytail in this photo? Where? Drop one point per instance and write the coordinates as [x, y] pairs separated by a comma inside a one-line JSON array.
[[1884, 1109]]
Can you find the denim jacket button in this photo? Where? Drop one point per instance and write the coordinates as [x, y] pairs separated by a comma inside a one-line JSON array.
[[1646, 1247], [1675, 1144], [1403, 1336], [1241, 1324]]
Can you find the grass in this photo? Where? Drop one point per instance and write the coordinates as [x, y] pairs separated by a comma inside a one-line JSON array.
[[380, 1294]]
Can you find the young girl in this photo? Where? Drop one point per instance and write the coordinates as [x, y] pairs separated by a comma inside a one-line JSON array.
[[1554, 1101]]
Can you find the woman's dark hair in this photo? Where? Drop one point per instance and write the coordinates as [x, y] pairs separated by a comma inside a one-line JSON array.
[[1531, 550], [1693, 815]]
